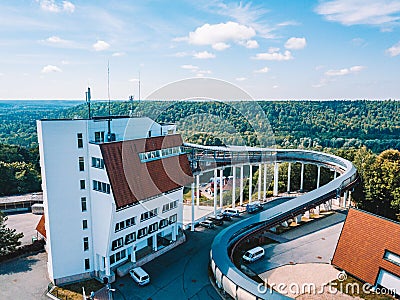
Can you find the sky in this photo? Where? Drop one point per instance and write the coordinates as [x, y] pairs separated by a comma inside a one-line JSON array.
[[292, 49]]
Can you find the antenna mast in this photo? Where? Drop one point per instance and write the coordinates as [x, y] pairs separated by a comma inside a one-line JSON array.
[[108, 88], [88, 97], [139, 87]]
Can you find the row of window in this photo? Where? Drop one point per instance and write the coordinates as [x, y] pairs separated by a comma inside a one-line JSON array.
[[169, 206], [97, 163], [125, 224], [158, 154], [101, 186], [148, 214], [117, 256], [131, 237]]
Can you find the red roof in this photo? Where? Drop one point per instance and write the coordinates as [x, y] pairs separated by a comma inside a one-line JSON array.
[[362, 245], [40, 227], [131, 180]]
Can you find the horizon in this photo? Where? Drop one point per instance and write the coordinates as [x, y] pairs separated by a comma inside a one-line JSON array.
[[325, 49]]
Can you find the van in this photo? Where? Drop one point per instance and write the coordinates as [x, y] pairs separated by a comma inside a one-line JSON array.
[[253, 207], [232, 212], [140, 276], [253, 254]]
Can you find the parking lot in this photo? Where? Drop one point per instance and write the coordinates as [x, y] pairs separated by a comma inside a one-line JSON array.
[[181, 273]]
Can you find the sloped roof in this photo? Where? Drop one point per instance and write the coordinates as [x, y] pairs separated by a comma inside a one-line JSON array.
[[40, 227], [362, 244], [132, 181]]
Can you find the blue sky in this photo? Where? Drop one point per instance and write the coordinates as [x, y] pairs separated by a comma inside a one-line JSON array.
[[328, 49]]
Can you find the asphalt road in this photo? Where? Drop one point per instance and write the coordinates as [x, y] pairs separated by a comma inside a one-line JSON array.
[[181, 273]]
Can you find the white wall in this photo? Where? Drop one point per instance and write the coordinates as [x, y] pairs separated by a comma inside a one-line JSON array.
[[59, 155]]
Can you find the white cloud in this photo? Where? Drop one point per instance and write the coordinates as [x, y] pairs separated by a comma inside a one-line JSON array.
[[204, 72], [190, 67], [274, 54], [56, 41], [251, 44], [263, 70], [241, 79], [52, 6], [218, 35], [65, 62], [203, 55], [51, 69], [367, 12], [295, 43], [68, 7], [345, 71], [275, 86], [133, 80], [394, 50], [101, 46], [118, 54], [220, 46]]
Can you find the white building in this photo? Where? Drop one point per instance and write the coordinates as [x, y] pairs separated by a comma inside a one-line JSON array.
[[113, 193]]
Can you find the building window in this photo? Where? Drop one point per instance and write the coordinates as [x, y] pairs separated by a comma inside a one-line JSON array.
[[148, 215], [117, 256], [118, 243], [129, 238], [83, 184], [153, 228], [158, 154], [163, 223], [81, 164], [173, 218], [169, 206], [83, 204], [142, 233], [392, 257], [97, 163], [101, 187], [87, 264], [99, 137], [80, 140], [85, 244], [125, 224], [84, 224]]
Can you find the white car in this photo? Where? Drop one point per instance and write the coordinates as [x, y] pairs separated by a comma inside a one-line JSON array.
[[140, 276]]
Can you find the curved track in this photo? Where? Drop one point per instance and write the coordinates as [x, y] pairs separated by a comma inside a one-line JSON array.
[[227, 275]]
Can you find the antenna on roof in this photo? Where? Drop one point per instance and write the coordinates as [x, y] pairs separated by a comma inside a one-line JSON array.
[[88, 97], [139, 86], [110, 136], [108, 88], [131, 106]]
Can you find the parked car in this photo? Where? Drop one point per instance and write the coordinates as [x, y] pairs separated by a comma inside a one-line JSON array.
[[224, 217], [232, 212], [207, 224], [254, 207], [216, 220], [253, 254], [140, 276]]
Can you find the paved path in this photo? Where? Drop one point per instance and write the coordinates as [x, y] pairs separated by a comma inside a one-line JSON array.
[[179, 274], [24, 278], [25, 223]]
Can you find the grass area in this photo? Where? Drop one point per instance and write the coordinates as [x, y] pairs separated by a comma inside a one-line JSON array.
[[353, 287], [74, 291]]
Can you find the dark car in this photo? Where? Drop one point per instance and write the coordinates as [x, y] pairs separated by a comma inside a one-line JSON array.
[[224, 217], [216, 220], [207, 224]]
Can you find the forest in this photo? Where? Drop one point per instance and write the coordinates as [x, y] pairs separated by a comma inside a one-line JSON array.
[[361, 131]]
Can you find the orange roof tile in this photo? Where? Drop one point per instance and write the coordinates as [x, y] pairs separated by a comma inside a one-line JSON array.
[[132, 181], [362, 244]]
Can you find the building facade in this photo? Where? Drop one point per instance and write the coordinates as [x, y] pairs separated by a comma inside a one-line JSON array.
[[369, 249], [112, 191]]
